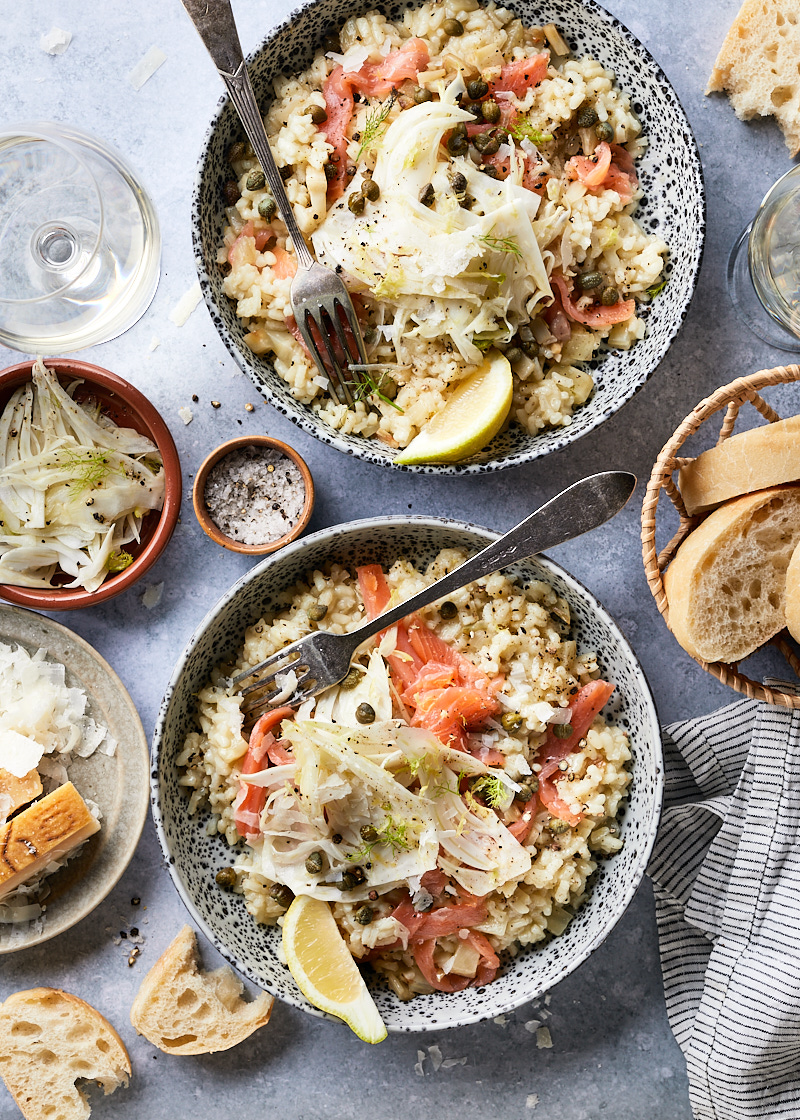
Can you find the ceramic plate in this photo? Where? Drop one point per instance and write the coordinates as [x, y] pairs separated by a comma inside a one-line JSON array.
[[119, 785], [194, 857]]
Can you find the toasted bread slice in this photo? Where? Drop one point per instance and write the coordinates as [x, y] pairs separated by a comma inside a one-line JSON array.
[[726, 586], [21, 791], [753, 460], [50, 1039], [43, 832], [757, 65], [182, 1010]]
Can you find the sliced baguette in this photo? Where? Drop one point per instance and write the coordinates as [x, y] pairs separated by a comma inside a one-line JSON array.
[[753, 460], [50, 1039], [726, 586], [757, 65], [182, 1010]]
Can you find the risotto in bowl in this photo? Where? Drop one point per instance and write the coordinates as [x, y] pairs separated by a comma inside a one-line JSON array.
[[507, 187], [475, 803]]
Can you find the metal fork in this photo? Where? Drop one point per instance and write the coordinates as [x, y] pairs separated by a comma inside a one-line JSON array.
[[322, 659], [319, 298]]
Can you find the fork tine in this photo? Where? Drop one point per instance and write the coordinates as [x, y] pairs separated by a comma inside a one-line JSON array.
[[311, 343], [341, 334], [332, 318]]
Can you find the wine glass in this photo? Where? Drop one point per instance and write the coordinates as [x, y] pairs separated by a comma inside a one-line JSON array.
[[80, 245], [764, 266]]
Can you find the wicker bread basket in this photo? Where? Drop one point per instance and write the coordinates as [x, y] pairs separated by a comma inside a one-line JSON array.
[[731, 398]]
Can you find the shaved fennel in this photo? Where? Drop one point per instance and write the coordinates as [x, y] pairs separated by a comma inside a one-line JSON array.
[[74, 487]]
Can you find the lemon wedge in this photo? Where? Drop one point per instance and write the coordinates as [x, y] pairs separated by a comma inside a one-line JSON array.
[[472, 416], [325, 971]]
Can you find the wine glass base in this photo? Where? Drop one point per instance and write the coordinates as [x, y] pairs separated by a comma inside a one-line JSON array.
[[747, 304], [80, 245]]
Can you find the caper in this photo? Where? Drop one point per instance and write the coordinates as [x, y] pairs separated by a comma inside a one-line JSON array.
[[502, 135], [489, 170], [589, 280], [283, 895], [236, 152], [348, 882], [231, 192], [476, 89], [557, 826], [604, 130], [316, 862], [267, 208], [427, 195], [365, 713], [490, 111], [371, 190], [318, 114], [336, 838], [524, 793], [369, 834], [364, 915], [226, 877], [485, 144], [513, 354], [356, 203], [609, 297], [476, 109], [457, 143], [453, 27], [562, 730], [255, 180], [458, 182], [330, 171], [286, 171], [511, 722], [587, 116], [448, 610], [358, 874], [529, 349], [317, 612], [351, 680], [421, 95], [370, 336]]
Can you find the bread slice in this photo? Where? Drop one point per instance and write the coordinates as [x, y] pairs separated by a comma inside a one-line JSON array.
[[793, 595], [726, 586], [757, 65], [182, 1010], [50, 1039], [42, 833], [754, 460]]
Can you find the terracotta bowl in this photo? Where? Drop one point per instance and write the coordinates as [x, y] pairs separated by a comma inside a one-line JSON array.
[[127, 407], [213, 530]]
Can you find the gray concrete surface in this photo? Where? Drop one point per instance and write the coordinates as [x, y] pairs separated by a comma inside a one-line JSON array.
[[613, 1053]]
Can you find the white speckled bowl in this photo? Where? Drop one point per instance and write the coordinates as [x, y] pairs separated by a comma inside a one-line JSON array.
[[673, 205], [194, 858]]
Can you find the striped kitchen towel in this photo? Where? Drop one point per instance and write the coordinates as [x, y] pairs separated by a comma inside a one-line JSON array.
[[726, 875]]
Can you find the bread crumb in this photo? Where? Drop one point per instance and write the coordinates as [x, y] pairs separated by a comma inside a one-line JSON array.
[[531, 1100], [55, 41], [543, 1039], [186, 305], [146, 67]]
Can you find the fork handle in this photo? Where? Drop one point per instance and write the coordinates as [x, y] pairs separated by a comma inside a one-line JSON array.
[[581, 507], [217, 28]]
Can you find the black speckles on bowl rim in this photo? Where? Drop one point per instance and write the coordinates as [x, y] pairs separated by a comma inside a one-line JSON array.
[[674, 205], [194, 858]]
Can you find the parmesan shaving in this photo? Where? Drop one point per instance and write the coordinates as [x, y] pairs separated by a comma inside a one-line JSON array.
[[185, 414], [55, 41], [543, 1039], [186, 305], [152, 595], [146, 67]]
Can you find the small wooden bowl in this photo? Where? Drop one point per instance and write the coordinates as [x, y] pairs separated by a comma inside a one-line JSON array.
[[211, 528], [730, 397], [128, 408]]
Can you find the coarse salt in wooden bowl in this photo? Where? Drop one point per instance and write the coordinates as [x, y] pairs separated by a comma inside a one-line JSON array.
[[235, 498], [731, 398]]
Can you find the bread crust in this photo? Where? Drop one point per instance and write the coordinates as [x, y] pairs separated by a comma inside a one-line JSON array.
[[49, 1039], [754, 460], [792, 608], [726, 585], [182, 1010], [757, 65]]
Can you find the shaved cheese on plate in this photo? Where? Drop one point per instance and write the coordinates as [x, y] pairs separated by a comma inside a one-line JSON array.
[[18, 753], [186, 305], [146, 67]]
